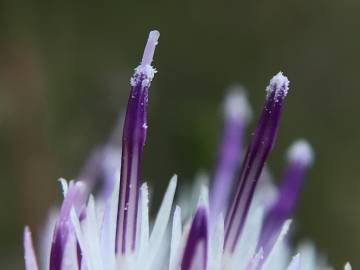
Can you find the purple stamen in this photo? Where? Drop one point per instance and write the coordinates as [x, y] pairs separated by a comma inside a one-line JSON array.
[[300, 157], [237, 113], [134, 134], [260, 146], [195, 252]]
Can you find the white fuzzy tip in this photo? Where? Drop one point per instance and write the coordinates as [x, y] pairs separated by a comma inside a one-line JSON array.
[[278, 84], [347, 266], [143, 74], [150, 47], [302, 152], [236, 105]]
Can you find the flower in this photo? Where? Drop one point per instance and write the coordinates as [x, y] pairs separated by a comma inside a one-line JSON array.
[[245, 229]]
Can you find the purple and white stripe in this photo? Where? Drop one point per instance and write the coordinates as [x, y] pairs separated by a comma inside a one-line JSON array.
[[134, 135]]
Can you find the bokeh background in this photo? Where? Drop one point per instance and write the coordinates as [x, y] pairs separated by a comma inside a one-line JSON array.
[[64, 71]]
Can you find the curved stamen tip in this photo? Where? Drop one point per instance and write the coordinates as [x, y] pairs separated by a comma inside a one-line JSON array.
[[302, 152], [236, 105], [279, 85], [150, 47]]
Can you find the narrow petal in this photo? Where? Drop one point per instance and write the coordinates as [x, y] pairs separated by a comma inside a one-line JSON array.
[[217, 245], [246, 246], [308, 256], [196, 248], [74, 198], [143, 220], [81, 239], [256, 261], [91, 231], [134, 135], [176, 234], [30, 257], [276, 255], [160, 224], [108, 228], [260, 146]]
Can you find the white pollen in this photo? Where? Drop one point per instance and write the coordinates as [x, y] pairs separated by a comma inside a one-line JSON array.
[[347, 266], [236, 105], [279, 83], [143, 73], [301, 151]]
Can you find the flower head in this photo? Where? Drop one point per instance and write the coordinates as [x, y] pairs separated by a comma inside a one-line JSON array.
[[245, 229]]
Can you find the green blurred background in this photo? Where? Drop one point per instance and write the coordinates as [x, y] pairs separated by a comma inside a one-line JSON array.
[[64, 72]]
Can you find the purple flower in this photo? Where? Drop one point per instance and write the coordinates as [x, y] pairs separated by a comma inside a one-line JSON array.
[[241, 223]]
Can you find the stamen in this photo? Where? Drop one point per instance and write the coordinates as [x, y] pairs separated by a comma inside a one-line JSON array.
[[196, 248], [300, 157], [260, 146], [236, 114], [134, 134]]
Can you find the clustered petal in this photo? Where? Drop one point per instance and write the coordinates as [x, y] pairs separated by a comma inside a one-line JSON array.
[[242, 222]]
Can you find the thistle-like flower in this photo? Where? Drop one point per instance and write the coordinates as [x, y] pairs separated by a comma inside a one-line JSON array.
[[244, 229]]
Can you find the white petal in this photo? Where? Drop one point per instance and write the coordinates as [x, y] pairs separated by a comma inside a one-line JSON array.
[[175, 239], [81, 238], [256, 260], [295, 263], [246, 246], [46, 239], [30, 258], [91, 231], [308, 256], [69, 260], [160, 224], [108, 230], [216, 245], [277, 255], [143, 221]]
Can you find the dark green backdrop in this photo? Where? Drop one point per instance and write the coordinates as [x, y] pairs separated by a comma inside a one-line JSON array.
[[64, 70]]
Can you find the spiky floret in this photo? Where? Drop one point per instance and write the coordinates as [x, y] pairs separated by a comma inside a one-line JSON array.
[[112, 230]]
